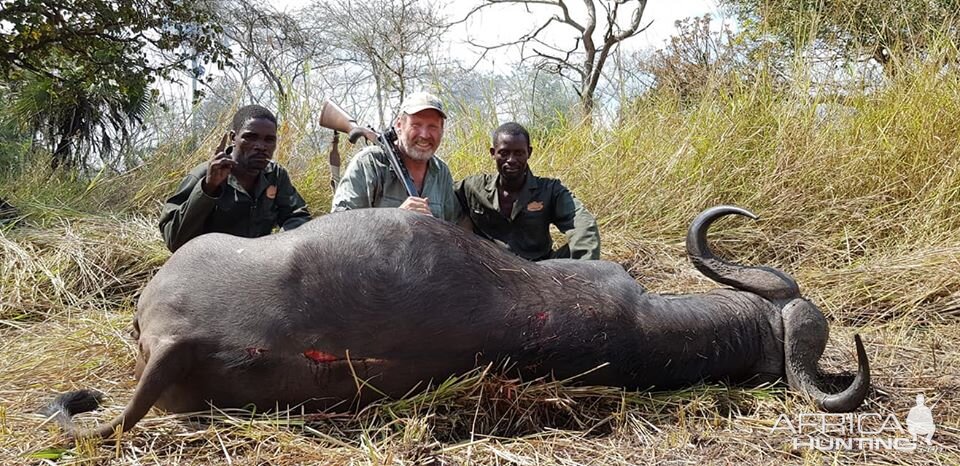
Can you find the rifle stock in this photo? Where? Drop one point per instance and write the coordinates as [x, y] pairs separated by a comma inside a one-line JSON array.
[[335, 118]]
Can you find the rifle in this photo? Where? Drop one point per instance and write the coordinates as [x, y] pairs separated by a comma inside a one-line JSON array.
[[335, 118]]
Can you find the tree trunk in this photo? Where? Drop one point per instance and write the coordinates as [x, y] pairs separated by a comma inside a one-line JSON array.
[[376, 81]]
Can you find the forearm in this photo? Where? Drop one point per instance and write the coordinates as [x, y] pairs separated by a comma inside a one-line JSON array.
[[293, 210], [584, 237], [580, 228], [296, 218], [185, 214]]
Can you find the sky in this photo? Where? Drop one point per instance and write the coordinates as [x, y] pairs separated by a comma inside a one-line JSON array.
[[509, 21]]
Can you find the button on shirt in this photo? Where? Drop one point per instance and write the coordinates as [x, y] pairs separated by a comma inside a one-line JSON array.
[[369, 181]]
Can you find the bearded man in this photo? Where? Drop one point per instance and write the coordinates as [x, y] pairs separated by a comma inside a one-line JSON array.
[[369, 180]]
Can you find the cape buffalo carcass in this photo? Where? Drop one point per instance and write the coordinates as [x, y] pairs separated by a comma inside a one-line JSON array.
[[394, 299]]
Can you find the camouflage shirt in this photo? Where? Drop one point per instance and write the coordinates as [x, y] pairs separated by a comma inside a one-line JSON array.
[[369, 181], [190, 212], [540, 203]]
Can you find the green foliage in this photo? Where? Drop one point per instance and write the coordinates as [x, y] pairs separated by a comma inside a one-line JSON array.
[[78, 117], [80, 70], [14, 144], [697, 59], [51, 453], [106, 39], [887, 32]]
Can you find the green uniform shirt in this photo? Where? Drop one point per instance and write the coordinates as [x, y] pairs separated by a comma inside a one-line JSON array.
[[541, 202], [190, 212], [369, 181]]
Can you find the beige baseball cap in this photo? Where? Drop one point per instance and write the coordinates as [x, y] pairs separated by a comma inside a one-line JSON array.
[[420, 101]]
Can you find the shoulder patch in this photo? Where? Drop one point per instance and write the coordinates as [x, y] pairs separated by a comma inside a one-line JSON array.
[[272, 191], [535, 206]]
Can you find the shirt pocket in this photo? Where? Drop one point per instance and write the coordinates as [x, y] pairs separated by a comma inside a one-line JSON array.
[[534, 223], [437, 208], [267, 213], [393, 200]]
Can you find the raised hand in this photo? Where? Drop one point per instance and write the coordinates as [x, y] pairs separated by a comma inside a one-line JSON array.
[[219, 167]]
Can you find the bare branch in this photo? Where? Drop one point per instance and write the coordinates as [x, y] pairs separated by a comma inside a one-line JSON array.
[[588, 56]]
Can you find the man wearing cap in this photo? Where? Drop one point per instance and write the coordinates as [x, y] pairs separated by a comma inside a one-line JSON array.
[[369, 180], [515, 209]]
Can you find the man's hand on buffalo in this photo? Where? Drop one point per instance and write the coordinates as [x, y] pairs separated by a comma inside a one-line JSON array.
[[420, 205]]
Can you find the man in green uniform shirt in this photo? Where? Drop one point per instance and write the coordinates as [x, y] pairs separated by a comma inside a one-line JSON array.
[[369, 180], [239, 191], [515, 208]]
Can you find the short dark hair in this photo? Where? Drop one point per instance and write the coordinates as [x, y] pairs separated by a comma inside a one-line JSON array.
[[251, 112], [513, 129]]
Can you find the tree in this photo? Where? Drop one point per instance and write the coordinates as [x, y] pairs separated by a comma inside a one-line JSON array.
[[89, 64], [854, 30], [581, 62], [271, 44], [693, 58], [78, 117], [392, 43], [14, 141]]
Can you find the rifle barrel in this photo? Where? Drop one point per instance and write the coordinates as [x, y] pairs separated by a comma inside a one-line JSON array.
[[386, 142]]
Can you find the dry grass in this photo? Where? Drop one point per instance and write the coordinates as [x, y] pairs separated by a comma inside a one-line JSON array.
[[863, 207]]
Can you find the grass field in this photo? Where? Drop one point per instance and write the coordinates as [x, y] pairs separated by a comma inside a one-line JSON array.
[[860, 202]]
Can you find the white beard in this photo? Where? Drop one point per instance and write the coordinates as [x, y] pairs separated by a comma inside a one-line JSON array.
[[418, 154]]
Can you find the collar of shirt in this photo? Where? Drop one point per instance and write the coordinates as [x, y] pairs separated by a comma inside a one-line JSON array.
[[430, 180], [526, 193], [263, 181]]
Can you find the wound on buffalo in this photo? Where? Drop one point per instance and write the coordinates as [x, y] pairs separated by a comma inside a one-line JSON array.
[[319, 356]]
